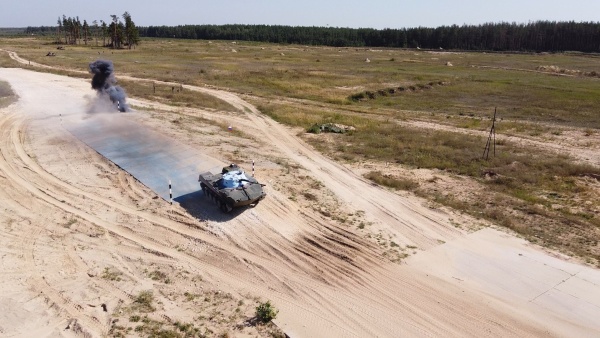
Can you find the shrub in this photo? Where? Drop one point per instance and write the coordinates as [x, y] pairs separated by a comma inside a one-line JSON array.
[[143, 301], [265, 312], [111, 275], [315, 129], [357, 97]]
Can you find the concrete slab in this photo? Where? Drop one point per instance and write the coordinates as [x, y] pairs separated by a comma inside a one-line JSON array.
[[506, 267], [150, 157]]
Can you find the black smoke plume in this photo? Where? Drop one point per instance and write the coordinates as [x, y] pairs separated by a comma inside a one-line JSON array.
[[105, 83]]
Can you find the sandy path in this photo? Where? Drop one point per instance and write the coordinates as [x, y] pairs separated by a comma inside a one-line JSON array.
[[326, 280], [409, 222]]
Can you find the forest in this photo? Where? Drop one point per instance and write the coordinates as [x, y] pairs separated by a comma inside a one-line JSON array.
[[539, 36]]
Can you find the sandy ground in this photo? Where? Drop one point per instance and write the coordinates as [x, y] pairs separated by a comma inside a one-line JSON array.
[[68, 217]]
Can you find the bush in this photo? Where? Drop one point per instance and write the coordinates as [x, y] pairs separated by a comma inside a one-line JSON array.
[[265, 312], [357, 97], [143, 301], [315, 129]]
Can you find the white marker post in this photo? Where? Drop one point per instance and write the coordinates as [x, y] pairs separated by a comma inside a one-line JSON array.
[[170, 193], [253, 168]]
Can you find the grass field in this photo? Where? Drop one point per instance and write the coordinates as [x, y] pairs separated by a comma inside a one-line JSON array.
[[545, 196]]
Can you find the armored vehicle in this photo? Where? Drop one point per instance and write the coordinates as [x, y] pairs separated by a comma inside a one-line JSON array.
[[231, 188]]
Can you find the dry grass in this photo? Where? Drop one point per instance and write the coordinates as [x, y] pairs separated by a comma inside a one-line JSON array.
[[174, 95], [391, 181], [209, 312], [332, 75]]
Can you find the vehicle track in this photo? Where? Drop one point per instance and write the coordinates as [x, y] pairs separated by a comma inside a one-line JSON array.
[[67, 202]]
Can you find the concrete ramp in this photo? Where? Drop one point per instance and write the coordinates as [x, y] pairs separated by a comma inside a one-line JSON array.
[[507, 267], [150, 157]]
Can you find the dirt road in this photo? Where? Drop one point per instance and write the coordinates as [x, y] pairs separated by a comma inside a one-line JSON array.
[[69, 217]]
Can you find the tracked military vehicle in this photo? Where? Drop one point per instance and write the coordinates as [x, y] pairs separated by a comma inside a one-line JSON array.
[[231, 188]]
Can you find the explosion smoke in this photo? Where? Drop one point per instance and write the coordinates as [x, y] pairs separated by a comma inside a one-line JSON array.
[[105, 83]]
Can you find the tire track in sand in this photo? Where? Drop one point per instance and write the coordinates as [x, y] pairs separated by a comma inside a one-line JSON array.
[[39, 188]]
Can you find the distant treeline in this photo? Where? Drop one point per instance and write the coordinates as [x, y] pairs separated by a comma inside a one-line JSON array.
[[72, 31], [548, 36], [540, 36], [11, 31]]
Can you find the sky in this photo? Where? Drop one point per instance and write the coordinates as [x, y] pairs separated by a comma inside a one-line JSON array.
[[377, 14]]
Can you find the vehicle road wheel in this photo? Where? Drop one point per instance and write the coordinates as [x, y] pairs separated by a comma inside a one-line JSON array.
[[226, 208], [204, 189]]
